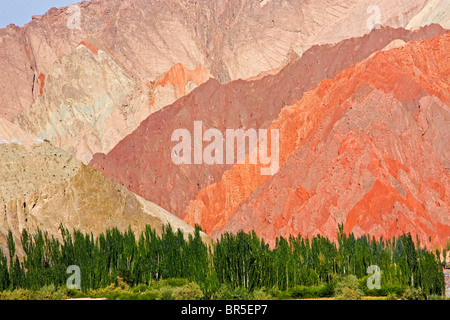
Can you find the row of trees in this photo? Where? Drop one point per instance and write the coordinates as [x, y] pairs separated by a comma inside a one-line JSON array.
[[239, 261]]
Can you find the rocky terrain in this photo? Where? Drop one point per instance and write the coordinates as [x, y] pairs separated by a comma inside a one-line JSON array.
[[11, 133], [43, 186], [358, 151], [232, 39], [89, 102], [239, 104], [358, 89], [435, 11]]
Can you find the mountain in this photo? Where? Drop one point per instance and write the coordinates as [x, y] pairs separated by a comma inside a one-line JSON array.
[[43, 186], [232, 39], [88, 102], [435, 11], [366, 150], [12, 133], [358, 90], [239, 104]]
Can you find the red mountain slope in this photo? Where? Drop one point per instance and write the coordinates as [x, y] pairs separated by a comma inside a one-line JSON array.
[[368, 149], [142, 161]]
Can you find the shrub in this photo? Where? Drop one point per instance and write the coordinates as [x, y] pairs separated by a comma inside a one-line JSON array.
[[73, 293], [121, 296], [348, 289], [50, 288], [151, 295], [391, 296], [303, 292], [190, 291], [385, 290], [227, 293], [121, 283], [110, 292], [42, 294], [275, 292], [436, 297], [413, 294], [140, 288], [174, 282], [261, 294], [166, 293], [19, 294]]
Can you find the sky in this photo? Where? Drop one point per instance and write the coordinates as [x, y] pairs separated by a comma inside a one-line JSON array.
[[19, 12]]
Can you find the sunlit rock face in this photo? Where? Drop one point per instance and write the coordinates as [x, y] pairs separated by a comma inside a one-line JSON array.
[[89, 102], [307, 111], [231, 39], [357, 88], [365, 150], [42, 186]]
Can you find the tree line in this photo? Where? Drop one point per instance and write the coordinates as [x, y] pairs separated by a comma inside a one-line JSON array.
[[241, 260]]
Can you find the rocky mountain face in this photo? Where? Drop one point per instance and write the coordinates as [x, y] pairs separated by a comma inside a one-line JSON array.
[[239, 104], [89, 102], [232, 39], [358, 90], [43, 186], [366, 150], [435, 11], [11, 133]]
